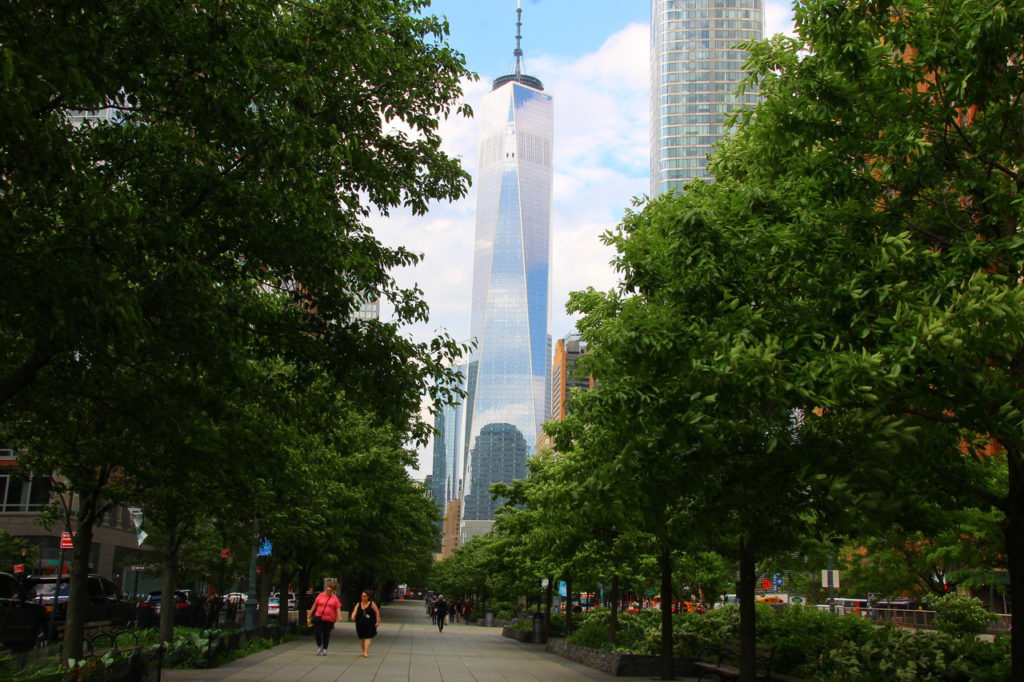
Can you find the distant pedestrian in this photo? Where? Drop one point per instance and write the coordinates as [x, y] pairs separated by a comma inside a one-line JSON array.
[[440, 610], [367, 618], [324, 613], [467, 610], [213, 605]]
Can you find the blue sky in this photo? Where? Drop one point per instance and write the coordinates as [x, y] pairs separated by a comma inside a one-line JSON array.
[[592, 56], [484, 30]]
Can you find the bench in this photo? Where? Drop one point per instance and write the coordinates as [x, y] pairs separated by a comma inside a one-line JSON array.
[[724, 662]]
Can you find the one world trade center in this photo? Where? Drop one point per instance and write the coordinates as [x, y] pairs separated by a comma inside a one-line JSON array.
[[507, 379]]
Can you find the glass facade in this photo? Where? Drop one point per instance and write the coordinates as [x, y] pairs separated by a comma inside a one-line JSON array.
[[695, 68], [507, 378], [446, 481]]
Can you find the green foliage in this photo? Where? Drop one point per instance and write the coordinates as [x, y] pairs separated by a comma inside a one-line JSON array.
[[910, 655], [960, 615], [812, 644], [804, 635]]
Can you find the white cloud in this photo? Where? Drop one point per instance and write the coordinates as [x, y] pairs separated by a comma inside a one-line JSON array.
[[778, 17]]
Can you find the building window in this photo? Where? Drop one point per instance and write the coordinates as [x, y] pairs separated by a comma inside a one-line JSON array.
[[18, 494]]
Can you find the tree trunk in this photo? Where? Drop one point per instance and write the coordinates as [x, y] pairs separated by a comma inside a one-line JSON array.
[[78, 590], [1013, 532], [263, 580], [300, 594], [284, 587], [167, 587], [745, 593], [668, 663], [613, 619]]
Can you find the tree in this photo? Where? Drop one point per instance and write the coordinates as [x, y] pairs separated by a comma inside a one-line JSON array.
[[885, 159], [190, 197]]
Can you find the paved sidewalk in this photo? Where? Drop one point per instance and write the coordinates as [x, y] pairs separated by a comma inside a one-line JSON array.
[[407, 648]]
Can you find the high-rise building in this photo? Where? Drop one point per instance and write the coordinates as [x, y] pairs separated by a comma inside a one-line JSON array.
[[564, 375], [507, 382], [695, 69], [446, 477]]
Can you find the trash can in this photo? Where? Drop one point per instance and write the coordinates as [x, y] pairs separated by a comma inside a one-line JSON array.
[[539, 636], [489, 619]]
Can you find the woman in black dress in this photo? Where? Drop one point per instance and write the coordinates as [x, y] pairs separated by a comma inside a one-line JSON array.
[[367, 618]]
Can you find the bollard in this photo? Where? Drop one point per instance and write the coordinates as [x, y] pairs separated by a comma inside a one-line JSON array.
[[539, 636]]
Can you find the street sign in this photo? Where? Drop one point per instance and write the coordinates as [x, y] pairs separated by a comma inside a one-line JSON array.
[[136, 514], [225, 554], [830, 578], [136, 569], [66, 540], [766, 584], [19, 568], [266, 548]]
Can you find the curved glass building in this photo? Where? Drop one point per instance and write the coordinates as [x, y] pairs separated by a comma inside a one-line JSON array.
[[695, 68], [507, 395]]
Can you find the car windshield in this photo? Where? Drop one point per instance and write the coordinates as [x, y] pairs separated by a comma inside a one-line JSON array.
[[46, 590]]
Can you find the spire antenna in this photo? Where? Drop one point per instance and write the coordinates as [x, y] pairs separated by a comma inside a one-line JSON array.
[[519, 37]]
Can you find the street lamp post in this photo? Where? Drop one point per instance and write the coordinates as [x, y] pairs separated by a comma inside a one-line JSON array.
[[250, 602]]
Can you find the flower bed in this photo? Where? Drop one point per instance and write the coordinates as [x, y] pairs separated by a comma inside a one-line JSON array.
[[517, 634]]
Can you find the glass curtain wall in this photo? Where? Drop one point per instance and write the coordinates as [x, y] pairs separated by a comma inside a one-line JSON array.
[[507, 378], [695, 68]]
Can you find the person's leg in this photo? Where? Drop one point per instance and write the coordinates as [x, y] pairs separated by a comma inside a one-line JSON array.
[[318, 634], [327, 635], [365, 645], [440, 623]]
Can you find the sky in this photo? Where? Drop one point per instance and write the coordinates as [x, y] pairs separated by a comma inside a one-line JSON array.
[[592, 56]]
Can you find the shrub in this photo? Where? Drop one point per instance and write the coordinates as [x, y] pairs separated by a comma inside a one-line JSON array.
[[803, 635], [960, 615]]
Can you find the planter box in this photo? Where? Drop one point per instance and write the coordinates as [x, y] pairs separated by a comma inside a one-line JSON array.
[[620, 665], [516, 634]]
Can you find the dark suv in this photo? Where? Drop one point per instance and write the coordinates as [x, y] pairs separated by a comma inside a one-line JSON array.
[[105, 600], [21, 619]]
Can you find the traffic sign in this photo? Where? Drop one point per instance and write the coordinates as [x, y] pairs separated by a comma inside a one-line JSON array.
[[66, 540], [19, 568], [225, 554], [766, 584]]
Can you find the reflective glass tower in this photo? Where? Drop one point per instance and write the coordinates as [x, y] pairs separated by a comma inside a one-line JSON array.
[[695, 68], [507, 394]]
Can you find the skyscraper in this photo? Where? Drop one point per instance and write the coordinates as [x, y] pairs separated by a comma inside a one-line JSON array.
[[507, 382], [695, 68]]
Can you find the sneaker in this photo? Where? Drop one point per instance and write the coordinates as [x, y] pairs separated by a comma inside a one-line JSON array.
[[319, 651]]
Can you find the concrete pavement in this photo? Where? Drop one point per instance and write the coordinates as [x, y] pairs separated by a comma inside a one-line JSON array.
[[407, 648]]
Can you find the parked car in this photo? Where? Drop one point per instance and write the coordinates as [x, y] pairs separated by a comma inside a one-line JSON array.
[[105, 601], [21, 619], [150, 607], [292, 604], [154, 600]]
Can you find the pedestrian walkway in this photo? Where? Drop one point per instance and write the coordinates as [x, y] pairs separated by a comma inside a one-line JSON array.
[[407, 648]]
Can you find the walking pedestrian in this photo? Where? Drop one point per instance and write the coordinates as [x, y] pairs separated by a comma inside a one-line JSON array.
[[367, 618], [324, 613], [440, 610], [451, 611], [467, 610]]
